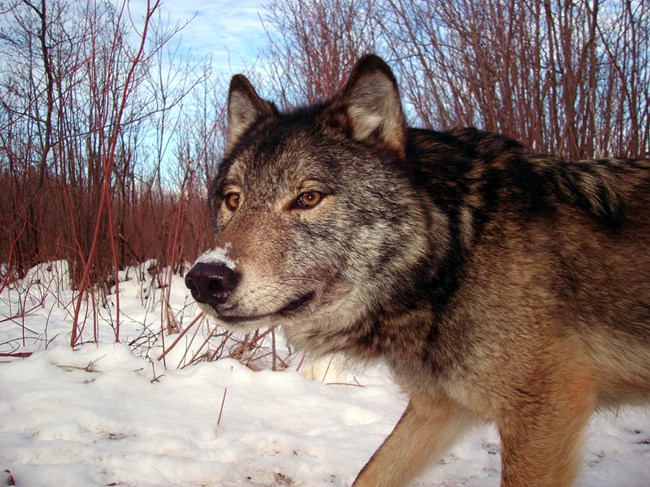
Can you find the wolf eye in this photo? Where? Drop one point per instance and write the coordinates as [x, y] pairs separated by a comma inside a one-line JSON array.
[[308, 199], [232, 201]]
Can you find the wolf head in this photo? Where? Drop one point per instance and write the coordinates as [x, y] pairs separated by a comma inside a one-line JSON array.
[[315, 208]]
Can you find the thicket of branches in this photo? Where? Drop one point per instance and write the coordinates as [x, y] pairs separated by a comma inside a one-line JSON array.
[[108, 135], [565, 77]]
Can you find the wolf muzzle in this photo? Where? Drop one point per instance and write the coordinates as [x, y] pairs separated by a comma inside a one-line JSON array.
[[211, 283]]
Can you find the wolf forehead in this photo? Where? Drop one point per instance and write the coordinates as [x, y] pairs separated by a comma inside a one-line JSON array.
[[280, 156], [290, 151]]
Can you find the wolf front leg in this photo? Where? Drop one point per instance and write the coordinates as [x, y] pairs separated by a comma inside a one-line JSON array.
[[429, 425], [542, 431]]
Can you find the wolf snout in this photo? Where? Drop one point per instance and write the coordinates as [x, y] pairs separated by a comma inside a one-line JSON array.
[[211, 283]]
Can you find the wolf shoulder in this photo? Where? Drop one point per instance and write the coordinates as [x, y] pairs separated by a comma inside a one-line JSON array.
[[574, 235]]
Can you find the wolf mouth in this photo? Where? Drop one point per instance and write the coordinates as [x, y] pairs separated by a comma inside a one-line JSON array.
[[289, 309], [297, 304]]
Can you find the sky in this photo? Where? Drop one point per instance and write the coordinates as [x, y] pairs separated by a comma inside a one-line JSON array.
[[231, 32]]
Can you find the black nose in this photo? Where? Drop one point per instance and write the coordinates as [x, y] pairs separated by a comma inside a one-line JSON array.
[[211, 283]]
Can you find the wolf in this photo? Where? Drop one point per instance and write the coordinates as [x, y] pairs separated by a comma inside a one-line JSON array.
[[497, 285]]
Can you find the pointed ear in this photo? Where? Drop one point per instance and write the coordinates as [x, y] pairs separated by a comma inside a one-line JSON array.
[[374, 110], [244, 108]]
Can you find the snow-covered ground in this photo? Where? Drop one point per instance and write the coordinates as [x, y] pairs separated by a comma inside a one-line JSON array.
[[113, 415]]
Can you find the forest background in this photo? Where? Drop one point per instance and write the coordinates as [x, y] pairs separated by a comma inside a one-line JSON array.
[[110, 133]]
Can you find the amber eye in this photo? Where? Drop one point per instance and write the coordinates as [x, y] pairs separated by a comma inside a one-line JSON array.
[[308, 200], [232, 201]]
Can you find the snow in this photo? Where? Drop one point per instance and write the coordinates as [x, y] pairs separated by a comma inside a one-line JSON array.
[[218, 255], [113, 414]]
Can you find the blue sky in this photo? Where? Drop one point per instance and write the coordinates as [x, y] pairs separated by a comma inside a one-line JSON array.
[[230, 31]]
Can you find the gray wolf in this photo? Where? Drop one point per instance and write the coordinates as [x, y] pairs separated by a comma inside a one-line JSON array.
[[496, 284]]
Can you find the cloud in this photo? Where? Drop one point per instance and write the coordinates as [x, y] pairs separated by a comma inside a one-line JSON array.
[[228, 31]]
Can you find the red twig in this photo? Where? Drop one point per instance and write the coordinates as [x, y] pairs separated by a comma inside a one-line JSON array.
[[180, 335], [223, 401], [110, 159], [16, 354]]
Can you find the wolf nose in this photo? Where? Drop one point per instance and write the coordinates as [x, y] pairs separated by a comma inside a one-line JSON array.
[[211, 283]]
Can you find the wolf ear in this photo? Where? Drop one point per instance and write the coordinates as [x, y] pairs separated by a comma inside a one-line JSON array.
[[244, 108], [372, 102]]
